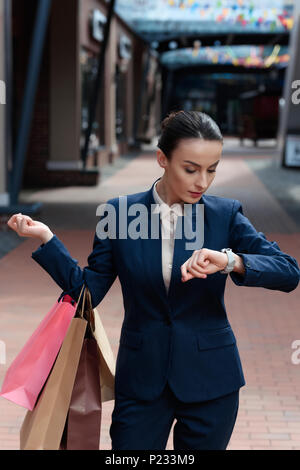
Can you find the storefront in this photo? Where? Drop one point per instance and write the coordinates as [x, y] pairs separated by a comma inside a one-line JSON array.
[[68, 72]]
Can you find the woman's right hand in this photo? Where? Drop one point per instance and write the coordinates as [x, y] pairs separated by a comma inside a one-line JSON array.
[[25, 226]]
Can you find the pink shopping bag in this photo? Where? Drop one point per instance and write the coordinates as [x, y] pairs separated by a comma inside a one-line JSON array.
[[29, 371]]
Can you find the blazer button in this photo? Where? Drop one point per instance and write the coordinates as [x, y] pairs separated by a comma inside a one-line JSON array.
[[168, 321]]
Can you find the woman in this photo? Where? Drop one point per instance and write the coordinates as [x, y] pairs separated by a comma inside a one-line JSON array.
[[178, 358]]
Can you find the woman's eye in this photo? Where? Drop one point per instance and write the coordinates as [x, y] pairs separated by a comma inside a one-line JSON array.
[[194, 171]]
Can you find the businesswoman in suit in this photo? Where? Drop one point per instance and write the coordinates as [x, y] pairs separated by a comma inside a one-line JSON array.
[[178, 358]]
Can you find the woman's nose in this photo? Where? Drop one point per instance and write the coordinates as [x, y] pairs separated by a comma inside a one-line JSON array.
[[202, 182]]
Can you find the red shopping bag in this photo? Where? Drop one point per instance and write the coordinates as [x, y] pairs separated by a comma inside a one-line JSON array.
[[28, 373]]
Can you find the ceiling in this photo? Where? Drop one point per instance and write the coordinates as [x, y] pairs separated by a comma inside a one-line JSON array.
[[161, 20], [243, 33]]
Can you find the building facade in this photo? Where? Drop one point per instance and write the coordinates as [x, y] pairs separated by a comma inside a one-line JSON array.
[[130, 90]]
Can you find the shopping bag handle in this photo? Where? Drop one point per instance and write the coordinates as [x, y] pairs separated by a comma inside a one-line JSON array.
[[86, 307], [86, 304], [66, 293], [83, 289]]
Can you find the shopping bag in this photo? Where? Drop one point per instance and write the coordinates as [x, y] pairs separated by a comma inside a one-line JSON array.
[[107, 360], [42, 428], [82, 427], [27, 374]]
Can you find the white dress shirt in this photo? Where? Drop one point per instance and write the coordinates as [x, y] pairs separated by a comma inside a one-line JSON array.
[[168, 218]]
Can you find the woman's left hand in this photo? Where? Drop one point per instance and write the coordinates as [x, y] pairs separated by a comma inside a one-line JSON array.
[[203, 262]]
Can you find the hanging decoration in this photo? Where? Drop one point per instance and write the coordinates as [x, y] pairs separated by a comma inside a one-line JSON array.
[[238, 56], [263, 13], [167, 16]]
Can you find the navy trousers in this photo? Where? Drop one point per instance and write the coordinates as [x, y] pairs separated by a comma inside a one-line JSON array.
[[146, 425]]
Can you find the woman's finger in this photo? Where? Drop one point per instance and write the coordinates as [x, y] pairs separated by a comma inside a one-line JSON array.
[[183, 270], [26, 217], [196, 272], [200, 263], [190, 269], [29, 220], [22, 224], [13, 221], [19, 220], [193, 265], [192, 259], [185, 276], [203, 255]]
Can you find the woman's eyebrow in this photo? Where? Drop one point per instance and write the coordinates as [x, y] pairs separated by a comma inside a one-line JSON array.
[[193, 163]]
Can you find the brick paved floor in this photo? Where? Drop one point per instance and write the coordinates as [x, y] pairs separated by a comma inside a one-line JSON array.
[[265, 322]]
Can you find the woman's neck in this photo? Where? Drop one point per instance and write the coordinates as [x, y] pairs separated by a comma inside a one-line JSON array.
[[165, 193]]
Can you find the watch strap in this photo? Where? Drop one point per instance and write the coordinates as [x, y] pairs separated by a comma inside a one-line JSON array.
[[231, 261]]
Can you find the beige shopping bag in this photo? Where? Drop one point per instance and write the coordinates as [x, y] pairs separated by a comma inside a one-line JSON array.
[[107, 360], [94, 383]]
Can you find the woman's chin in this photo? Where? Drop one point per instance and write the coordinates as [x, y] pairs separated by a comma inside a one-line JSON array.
[[193, 200]]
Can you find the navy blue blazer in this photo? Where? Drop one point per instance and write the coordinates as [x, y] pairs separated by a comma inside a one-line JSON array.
[[183, 336]]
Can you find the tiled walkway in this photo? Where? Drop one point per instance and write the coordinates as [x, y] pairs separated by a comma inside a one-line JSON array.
[[265, 322]]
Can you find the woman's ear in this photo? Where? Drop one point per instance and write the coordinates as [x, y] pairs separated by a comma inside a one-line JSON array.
[[161, 159]]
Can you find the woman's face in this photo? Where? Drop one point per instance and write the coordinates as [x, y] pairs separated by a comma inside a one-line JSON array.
[[191, 169]]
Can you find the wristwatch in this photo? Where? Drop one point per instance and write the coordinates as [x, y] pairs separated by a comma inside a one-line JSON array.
[[231, 260]]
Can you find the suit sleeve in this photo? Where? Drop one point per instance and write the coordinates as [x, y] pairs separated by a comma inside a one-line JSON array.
[[265, 264], [98, 275]]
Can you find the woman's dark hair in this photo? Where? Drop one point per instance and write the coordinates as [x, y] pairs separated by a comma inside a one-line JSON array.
[[180, 125]]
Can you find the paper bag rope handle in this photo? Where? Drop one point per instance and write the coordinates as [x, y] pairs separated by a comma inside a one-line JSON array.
[[83, 289], [86, 306]]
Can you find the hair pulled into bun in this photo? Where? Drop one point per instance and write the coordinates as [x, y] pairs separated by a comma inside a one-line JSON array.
[[182, 124], [165, 123]]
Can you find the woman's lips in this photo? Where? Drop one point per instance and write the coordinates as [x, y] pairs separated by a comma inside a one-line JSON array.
[[195, 194]]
